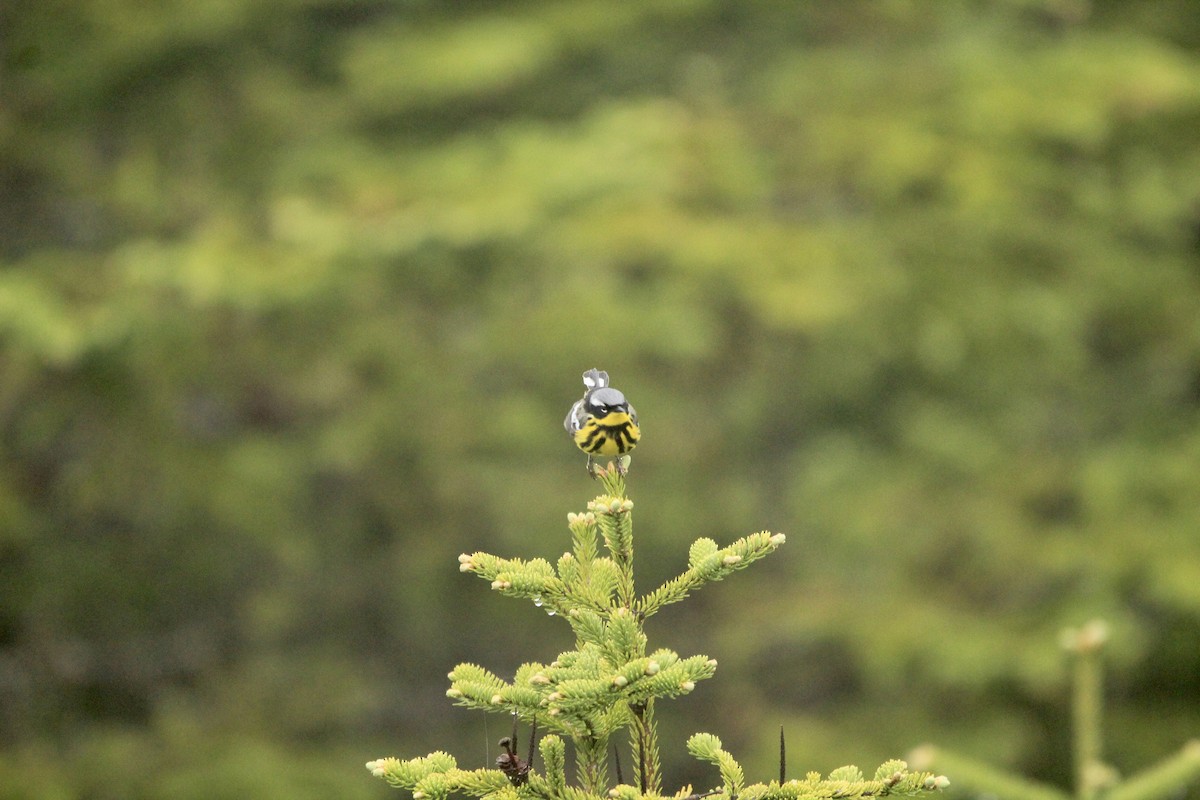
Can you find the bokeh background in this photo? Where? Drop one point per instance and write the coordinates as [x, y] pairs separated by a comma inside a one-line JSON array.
[[294, 295]]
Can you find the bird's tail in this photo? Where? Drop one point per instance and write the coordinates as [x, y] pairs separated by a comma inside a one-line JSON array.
[[595, 379]]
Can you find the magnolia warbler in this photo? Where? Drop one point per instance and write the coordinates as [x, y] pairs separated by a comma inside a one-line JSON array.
[[602, 423]]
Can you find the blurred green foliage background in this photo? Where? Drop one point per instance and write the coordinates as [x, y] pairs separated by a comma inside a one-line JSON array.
[[294, 295]]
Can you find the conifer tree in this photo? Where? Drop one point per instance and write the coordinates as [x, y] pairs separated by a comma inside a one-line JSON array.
[[609, 684], [1094, 777]]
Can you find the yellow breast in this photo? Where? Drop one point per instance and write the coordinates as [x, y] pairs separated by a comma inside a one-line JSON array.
[[611, 435]]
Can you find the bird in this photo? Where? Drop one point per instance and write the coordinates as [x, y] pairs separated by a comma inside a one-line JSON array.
[[602, 423]]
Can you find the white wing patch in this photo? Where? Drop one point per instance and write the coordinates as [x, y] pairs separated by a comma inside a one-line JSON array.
[[575, 417]]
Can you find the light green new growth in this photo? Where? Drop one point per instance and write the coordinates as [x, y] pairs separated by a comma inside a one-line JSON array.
[[610, 682]]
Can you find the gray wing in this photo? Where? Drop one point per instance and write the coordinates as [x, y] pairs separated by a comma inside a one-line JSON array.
[[575, 418]]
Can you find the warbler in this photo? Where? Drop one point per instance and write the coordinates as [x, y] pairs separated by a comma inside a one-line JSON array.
[[602, 423]]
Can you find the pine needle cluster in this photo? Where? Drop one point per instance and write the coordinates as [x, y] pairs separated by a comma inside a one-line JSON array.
[[609, 684]]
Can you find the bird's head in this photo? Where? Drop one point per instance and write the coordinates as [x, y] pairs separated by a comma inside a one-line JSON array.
[[605, 401]]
